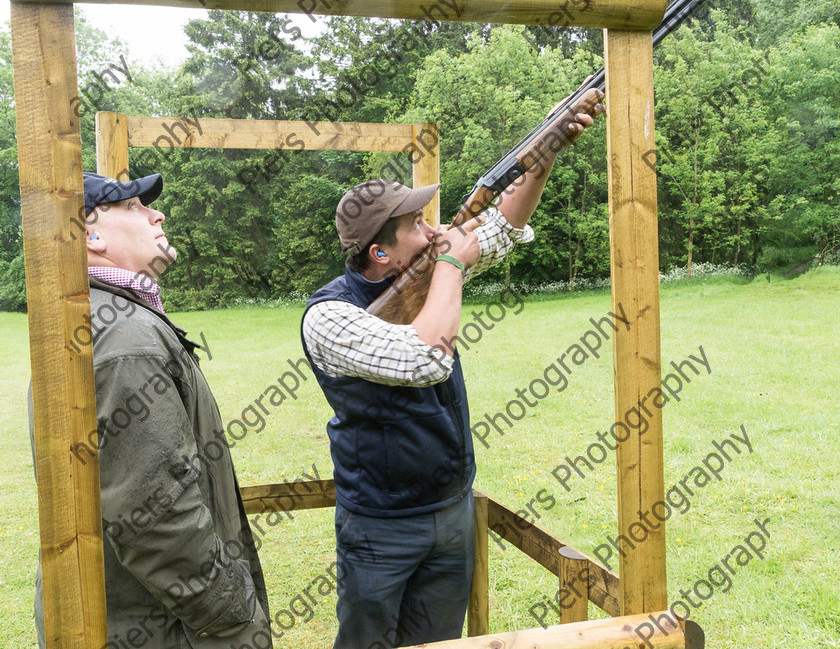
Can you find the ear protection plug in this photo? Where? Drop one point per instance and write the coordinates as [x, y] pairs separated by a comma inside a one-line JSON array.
[[94, 236], [379, 253]]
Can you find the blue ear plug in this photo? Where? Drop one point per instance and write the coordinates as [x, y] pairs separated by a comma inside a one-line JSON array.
[[94, 236], [379, 253]]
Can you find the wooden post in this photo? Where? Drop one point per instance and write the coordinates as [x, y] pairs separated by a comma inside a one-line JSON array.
[[574, 586], [52, 211], [634, 268], [425, 165], [112, 145], [478, 611]]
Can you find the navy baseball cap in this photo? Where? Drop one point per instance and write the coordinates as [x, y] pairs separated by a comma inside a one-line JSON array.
[[101, 189]]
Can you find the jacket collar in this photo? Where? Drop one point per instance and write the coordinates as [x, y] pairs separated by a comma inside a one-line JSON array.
[[363, 289], [188, 344]]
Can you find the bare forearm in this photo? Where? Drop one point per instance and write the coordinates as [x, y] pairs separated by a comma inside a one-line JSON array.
[[441, 313], [519, 204], [520, 200]]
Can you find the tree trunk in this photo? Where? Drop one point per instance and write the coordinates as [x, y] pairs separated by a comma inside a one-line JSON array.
[[690, 244], [569, 242], [693, 207]]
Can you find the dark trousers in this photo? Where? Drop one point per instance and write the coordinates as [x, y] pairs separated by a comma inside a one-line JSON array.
[[403, 581]]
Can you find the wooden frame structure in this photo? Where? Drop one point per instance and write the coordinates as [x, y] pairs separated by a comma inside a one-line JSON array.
[[116, 132], [58, 297]]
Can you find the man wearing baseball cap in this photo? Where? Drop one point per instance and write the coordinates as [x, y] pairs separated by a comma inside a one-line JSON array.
[[400, 438], [181, 564]]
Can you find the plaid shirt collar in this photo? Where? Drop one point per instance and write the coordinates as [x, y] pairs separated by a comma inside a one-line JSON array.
[[143, 286]]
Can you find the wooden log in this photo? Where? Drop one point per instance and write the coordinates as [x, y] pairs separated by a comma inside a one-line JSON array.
[[634, 268], [58, 300], [478, 610], [425, 165], [573, 598], [544, 548], [212, 133], [112, 145], [288, 496], [615, 14], [659, 630]]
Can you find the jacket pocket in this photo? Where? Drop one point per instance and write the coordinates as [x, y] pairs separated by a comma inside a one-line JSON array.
[[420, 452]]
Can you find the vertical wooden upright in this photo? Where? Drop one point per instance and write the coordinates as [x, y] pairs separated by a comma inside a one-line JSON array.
[[425, 165], [478, 609], [574, 586], [52, 211], [112, 145], [634, 268]]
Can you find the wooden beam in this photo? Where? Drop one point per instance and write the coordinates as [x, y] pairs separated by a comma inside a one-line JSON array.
[[425, 164], [658, 630], [478, 611], [112, 145], [634, 267], [288, 496], [52, 212], [165, 133], [544, 548], [615, 14]]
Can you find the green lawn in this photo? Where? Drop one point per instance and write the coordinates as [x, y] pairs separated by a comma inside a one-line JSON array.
[[773, 352]]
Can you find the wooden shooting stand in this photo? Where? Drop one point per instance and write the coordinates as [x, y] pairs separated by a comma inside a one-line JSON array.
[[58, 298]]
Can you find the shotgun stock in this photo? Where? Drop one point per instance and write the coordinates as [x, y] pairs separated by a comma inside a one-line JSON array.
[[402, 301]]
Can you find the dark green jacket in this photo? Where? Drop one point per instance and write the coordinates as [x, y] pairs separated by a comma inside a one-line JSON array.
[[181, 566]]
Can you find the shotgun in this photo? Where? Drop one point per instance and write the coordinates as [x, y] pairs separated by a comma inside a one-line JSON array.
[[404, 298]]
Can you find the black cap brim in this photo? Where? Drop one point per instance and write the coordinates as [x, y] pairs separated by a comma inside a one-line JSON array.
[[101, 189]]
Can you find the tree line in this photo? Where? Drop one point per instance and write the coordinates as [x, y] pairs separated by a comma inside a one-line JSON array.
[[747, 117]]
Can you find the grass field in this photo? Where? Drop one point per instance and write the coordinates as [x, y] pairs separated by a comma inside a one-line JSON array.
[[772, 347]]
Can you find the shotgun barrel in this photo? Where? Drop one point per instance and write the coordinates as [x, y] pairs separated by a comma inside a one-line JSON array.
[[401, 302]]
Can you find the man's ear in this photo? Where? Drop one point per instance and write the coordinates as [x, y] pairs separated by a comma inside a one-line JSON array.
[[94, 240], [377, 255]]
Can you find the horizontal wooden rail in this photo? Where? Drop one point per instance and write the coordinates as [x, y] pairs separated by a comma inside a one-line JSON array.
[[215, 133], [659, 630], [544, 548], [613, 14], [531, 539], [116, 132], [288, 496]]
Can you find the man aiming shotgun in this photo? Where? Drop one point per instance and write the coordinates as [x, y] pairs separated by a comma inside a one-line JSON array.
[[400, 438], [402, 301]]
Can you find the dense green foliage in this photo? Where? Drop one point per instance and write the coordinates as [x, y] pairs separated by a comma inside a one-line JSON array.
[[747, 116]]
